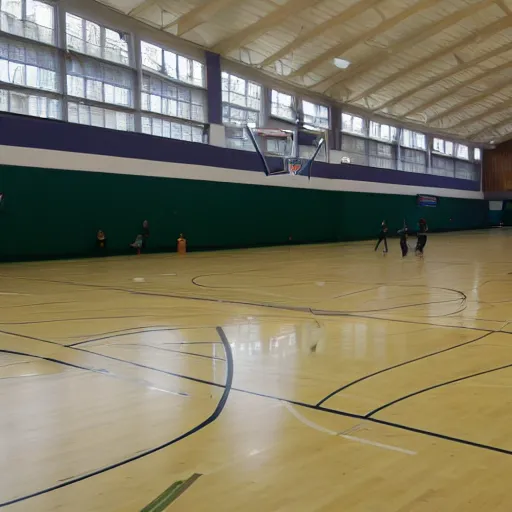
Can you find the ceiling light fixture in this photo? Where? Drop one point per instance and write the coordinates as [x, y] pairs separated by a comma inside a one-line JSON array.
[[341, 63]]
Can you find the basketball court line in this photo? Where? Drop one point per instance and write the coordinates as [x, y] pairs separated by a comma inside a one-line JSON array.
[[222, 301], [215, 414], [360, 440], [295, 402], [366, 377], [424, 390], [318, 408], [126, 333], [227, 389]]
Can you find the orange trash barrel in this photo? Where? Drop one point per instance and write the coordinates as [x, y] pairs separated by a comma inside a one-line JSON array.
[[182, 245]]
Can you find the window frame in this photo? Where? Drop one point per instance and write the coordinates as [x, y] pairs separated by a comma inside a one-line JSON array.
[[443, 143], [414, 140], [292, 106], [171, 120], [105, 107], [132, 90], [178, 85], [461, 156], [351, 131], [161, 72], [24, 21], [229, 105], [40, 94], [393, 132], [102, 46], [318, 107]]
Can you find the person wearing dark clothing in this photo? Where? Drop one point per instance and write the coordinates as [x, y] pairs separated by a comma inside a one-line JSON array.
[[422, 237], [101, 242], [145, 233], [383, 236], [403, 241]]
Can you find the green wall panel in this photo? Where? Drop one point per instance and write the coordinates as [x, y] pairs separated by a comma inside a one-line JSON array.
[[55, 213]]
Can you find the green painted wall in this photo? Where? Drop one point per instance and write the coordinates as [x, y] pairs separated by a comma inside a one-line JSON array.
[[53, 213]]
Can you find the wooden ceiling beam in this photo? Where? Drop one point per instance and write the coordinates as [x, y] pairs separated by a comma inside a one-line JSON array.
[[345, 46], [454, 90], [379, 58], [138, 9], [495, 126], [488, 31], [487, 113], [443, 76], [348, 14], [252, 32], [470, 101], [199, 15]]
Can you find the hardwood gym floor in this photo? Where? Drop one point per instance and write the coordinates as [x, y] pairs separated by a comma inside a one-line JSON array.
[[302, 379]]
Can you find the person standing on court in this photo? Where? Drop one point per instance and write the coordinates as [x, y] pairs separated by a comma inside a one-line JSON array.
[[422, 237], [403, 241], [383, 237]]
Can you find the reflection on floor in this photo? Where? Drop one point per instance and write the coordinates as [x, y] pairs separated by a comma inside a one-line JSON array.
[[312, 378]]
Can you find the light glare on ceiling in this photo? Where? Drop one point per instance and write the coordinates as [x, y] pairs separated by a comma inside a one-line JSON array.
[[341, 63]]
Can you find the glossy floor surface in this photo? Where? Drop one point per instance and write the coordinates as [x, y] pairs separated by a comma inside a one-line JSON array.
[[302, 379]]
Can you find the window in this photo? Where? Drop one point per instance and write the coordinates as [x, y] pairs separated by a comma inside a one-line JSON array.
[[462, 152], [235, 115], [443, 166], [354, 149], [167, 98], [413, 140], [382, 155], [241, 100], [241, 104], [30, 104], [84, 36], [101, 117], [97, 81], [28, 18], [413, 160], [477, 154], [28, 66], [352, 124], [282, 106], [315, 115], [444, 147], [466, 170], [382, 131], [171, 129], [170, 99], [174, 66]]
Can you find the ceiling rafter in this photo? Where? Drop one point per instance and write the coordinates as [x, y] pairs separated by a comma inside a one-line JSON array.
[[495, 126], [443, 76], [252, 32], [345, 46], [391, 51], [495, 110], [146, 4], [454, 90], [344, 16], [488, 31], [199, 15], [470, 101]]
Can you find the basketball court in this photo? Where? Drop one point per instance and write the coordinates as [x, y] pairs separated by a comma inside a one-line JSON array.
[[303, 378]]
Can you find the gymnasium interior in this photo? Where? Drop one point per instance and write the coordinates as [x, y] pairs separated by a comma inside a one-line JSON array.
[[255, 255]]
